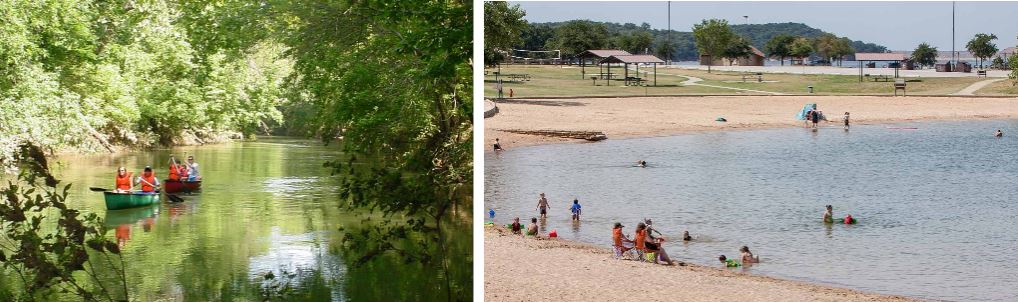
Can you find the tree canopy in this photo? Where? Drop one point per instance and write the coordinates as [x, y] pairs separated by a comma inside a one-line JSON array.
[[503, 29], [982, 46], [779, 46], [713, 37], [738, 48], [925, 55], [577, 36], [801, 48]]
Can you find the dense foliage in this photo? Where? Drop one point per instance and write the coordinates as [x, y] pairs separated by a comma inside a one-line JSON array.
[[779, 47], [95, 74], [503, 29], [544, 36], [46, 244]]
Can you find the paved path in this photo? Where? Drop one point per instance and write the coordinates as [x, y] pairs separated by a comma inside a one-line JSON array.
[[971, 90], [695, 81]]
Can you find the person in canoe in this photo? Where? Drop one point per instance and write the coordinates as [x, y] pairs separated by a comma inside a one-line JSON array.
[[192, 169], [123, 181], [148, 181], [177, 171]]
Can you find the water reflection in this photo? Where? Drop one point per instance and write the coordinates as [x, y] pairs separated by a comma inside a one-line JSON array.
[[265, 206]]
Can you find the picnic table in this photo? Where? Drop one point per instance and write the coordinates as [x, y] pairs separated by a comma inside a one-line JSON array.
[[881, 78], [981, 73], [758, 75], [637, 80], [518, 77]]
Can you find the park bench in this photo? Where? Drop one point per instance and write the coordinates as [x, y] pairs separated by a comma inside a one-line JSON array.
[[981, 73]]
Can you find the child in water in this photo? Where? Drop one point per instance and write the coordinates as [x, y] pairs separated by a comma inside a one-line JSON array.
[[829, 214], [686, 237], [576, 209], [532, 228], [728, 262], [998, 133], [747, 256], [516, 227]]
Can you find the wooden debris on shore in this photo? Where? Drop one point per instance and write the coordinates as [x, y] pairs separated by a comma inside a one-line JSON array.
[[584, 135]]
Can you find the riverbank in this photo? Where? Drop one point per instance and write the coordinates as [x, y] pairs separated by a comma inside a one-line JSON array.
[[663, 116], [523, 269]]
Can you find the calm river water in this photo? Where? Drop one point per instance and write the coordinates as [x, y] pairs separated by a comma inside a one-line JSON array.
[[265, 206], [937, 205]]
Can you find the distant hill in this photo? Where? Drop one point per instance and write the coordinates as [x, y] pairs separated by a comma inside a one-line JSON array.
[[537, 36]]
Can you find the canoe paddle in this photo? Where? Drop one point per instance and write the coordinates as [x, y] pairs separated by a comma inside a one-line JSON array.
[[94, 189], [173, 198]]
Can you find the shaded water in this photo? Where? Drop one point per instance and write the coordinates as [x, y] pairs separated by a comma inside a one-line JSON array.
[[936, 204], [265, 206]]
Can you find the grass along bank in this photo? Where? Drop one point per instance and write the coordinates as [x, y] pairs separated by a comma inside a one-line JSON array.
[[551, 81]]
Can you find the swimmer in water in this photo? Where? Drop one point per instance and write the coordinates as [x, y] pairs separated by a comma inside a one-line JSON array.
[[829, 214], [727, 262], [998, 133], [686, 237], [747, 256]]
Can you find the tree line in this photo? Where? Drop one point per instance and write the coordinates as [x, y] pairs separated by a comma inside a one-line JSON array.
[[573, 37]]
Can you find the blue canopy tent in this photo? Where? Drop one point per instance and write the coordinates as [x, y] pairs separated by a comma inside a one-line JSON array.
[[805, 111]]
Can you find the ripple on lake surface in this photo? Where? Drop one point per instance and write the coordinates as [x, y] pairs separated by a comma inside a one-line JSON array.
[[936, 204]]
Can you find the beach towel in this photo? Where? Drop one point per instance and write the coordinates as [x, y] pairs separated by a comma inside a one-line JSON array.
[[805, 109]]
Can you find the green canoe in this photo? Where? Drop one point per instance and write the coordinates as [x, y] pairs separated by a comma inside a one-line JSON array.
[[117, 201]]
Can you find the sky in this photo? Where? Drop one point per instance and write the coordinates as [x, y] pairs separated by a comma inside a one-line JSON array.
[[896, 25]]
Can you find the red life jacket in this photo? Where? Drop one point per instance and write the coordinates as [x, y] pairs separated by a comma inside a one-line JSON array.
[[145, 187], [124, 183]]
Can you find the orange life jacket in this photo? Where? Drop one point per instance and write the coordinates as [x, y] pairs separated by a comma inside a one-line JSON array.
[[124, 183], [641, 236], [145, 187], [174, 172]]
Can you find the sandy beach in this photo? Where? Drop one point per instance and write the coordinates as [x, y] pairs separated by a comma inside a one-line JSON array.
[[662, 116], [524, 269]]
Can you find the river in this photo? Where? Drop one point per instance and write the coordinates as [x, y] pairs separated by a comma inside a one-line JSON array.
[[935, 201], [265, 206]]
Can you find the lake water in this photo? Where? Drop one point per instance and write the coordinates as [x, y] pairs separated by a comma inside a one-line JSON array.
[[265, 206], [937, 205]]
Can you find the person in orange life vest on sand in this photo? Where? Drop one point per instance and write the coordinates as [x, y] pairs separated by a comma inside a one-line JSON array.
[[123, 181], [148, 181]]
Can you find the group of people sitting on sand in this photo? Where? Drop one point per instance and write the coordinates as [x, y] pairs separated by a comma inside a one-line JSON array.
[[647, 246]]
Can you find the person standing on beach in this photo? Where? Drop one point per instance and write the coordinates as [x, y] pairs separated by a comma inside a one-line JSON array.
[[575, 209], [498, 87], [846, 120], [542, 206]]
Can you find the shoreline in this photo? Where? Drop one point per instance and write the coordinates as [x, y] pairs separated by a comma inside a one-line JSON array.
[[643, 117], [576, 271]]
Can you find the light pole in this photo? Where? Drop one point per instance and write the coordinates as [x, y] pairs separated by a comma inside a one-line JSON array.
[[747, 19]]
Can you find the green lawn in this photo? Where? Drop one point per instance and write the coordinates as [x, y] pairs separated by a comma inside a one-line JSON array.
[[829, 84], [567, 81], [1005, 87]]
